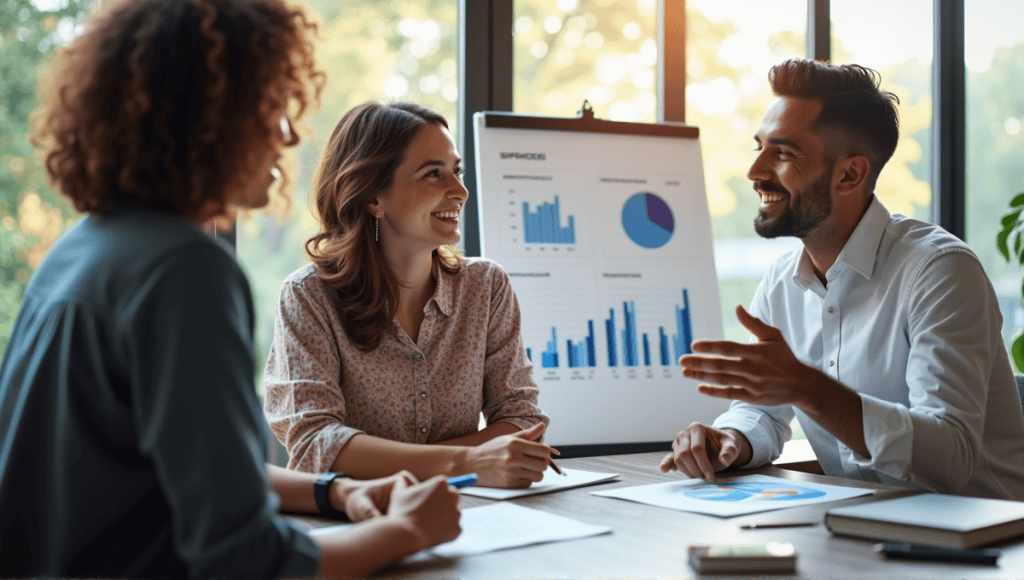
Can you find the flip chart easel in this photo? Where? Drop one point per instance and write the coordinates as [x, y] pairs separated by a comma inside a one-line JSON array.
[[603, 228]]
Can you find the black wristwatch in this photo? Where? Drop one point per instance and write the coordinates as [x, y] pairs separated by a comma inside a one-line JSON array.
[[321, 487]]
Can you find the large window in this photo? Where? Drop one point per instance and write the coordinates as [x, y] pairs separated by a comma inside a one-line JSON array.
[[994, 54], [32, 214], [566, 51], [895, 38], [729, 48], [370, 51]]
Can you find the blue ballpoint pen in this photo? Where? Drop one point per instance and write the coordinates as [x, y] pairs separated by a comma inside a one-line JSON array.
[[463, 480]]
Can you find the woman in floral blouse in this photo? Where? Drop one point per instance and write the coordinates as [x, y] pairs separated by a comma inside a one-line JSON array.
[[389, 345]]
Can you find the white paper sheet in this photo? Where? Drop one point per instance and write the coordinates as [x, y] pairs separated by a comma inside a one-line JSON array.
[[500, 526], [734, 496], [552, 482]]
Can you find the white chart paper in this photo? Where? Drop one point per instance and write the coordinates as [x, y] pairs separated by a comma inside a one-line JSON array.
[[607, 241], [734, 496], [552, 482]]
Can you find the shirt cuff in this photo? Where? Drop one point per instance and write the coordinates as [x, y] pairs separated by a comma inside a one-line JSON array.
[[319, 456], [889, 437], [303, 559], [749, 423]]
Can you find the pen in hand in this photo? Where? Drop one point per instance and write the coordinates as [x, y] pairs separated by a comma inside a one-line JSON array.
[[461, 481], [552, 463], [555, 466]]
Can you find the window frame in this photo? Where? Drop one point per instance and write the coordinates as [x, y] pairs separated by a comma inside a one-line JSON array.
[[487, 82]]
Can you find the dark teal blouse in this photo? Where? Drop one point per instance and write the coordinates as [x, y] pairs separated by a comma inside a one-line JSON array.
[[132, 443]]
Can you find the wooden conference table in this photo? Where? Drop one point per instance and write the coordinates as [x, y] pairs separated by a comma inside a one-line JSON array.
[[651, 542]]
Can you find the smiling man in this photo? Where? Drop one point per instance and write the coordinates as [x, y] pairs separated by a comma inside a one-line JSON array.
[[882, 335]]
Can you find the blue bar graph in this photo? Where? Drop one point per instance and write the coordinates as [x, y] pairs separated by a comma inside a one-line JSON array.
[[609, 326], [583, 353], [663, 343], [549, 358], [681, 341], [630, 356], [544, 226]]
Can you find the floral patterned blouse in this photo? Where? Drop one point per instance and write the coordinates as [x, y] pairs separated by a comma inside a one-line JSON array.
[[469, 357]]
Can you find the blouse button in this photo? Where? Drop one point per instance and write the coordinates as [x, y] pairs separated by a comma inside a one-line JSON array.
[[831, 310], [424, 395], [423, 430], [417, 355], [831, 362]]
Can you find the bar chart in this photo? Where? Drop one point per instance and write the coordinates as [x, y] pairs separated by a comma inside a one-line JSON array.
[[544, 225], [606, 241], [625, 345]]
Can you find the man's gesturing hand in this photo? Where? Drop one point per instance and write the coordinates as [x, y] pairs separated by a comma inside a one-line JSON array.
[[700, 451], [761, 373]]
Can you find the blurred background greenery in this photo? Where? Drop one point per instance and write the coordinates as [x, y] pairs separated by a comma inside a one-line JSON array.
[[566, 51]]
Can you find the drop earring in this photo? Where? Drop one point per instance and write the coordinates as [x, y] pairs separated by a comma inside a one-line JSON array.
[[376, 227]]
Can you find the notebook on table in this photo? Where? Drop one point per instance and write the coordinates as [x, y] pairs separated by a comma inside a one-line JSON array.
[[934, 519]]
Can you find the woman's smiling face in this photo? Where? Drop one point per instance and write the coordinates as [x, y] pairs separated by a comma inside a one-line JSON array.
[[421, 207]]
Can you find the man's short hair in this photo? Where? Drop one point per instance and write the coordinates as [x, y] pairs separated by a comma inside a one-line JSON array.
[[852, 104]]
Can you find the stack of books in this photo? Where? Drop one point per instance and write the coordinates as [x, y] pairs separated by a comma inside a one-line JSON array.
[[934, 519]]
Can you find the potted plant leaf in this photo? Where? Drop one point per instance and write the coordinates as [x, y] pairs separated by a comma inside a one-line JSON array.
[[1013, 229]]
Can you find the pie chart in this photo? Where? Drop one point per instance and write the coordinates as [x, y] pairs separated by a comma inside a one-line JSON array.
[[648, 220]]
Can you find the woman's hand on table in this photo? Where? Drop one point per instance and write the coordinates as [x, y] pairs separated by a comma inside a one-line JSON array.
[[429, 509], [511, 461], [365, 499]]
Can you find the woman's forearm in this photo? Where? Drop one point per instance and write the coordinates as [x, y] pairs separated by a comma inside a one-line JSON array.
[[367, 457], [294, 488], [482, 436]]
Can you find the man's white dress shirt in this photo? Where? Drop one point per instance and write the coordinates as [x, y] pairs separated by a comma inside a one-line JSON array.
[[909, 320]]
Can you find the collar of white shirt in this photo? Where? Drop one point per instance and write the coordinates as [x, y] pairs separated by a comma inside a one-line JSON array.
[[859, 252]]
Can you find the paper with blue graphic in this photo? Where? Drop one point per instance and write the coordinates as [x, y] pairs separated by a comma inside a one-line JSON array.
[[734, 496]]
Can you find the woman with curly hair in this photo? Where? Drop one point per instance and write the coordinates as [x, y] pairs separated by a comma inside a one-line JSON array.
[[131, 441], [390, 344]]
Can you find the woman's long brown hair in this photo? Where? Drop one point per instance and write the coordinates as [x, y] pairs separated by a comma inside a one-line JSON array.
[[360, 162]]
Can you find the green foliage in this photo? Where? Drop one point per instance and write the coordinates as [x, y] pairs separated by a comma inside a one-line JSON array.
[[1012, 227], [995, 167], [28, 38], [12, 279]]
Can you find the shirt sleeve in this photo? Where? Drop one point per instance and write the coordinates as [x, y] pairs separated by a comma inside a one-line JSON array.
[[188, 335], [510, 394], [304, 403], [936, 441], [765, 427]]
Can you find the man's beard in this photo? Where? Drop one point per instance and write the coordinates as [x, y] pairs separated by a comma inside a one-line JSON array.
[[811, 206]]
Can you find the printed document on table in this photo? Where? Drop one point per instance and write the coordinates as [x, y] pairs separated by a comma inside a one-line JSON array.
[[552, 482], [734, 496], [501, 526]]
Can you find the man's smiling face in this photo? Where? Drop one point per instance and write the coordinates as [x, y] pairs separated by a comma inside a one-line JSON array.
[[790, 172]]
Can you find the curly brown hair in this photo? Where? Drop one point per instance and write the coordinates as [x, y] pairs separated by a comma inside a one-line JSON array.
[[365, 149], [161, 103]]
